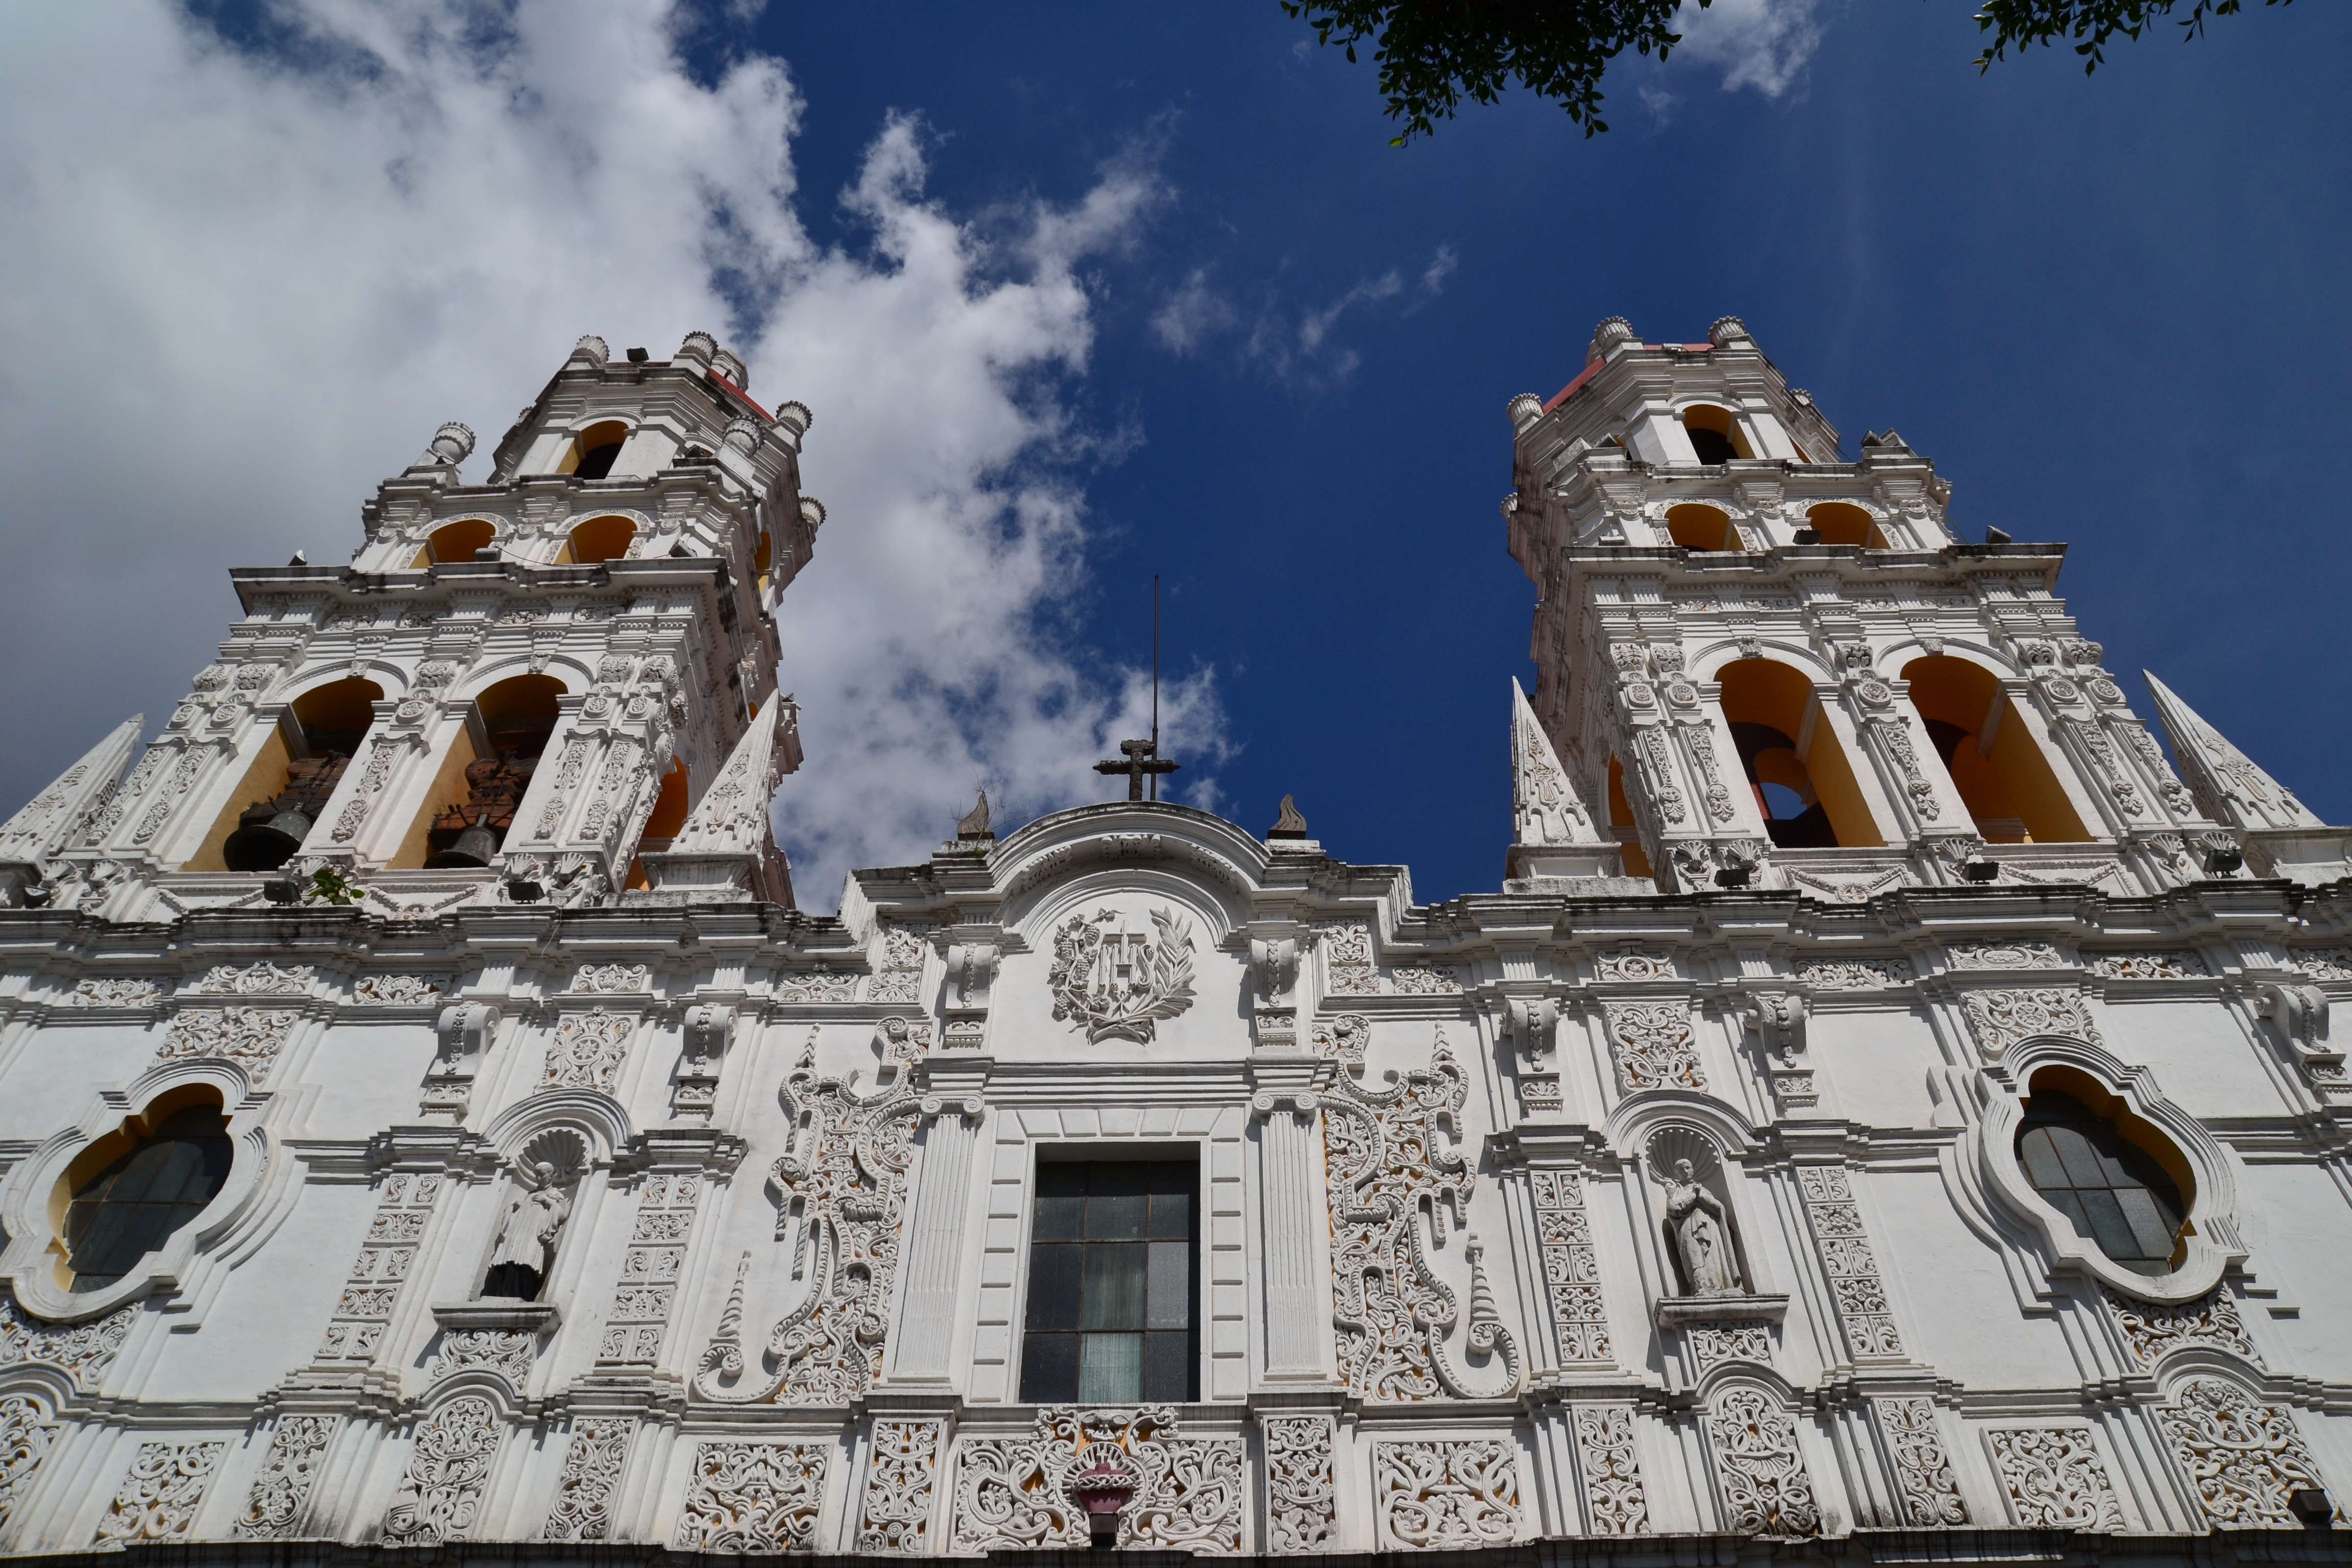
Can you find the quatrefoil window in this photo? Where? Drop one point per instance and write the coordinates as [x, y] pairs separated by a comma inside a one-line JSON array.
[[132, 1190], [2113, 1177]]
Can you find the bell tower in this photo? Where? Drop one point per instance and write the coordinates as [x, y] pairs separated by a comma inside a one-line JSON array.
[[1763, 665], [519, 690]]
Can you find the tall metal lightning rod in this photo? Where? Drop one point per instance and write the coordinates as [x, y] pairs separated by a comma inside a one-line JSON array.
[[1155, 678]]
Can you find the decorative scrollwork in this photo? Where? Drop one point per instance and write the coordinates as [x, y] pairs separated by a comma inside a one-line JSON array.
[[1389, 1162], [273, 1509], [1931, 1495], [2244, 1459], [1614, 1498], [2054, 1478], [440, 1493], [1015, 1493], [753, 1497], [1446, 1495], [159, 1498], [896, 1516], [847, 1174], [1301, 1495], [1766, 1488], [592, 1469]]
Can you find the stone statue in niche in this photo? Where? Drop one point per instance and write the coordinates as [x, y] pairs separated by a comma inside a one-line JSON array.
[[1698, 1227], [537, 1208]]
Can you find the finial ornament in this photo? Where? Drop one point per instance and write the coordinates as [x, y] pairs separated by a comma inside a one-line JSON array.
[[593, 348], [453, 443], [1289, 823], [1727, 331], [1524, 410], [1612, 330], [974, 822]]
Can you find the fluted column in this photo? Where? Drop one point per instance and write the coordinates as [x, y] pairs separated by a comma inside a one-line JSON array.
[[920, 1349], [1290, 1201]]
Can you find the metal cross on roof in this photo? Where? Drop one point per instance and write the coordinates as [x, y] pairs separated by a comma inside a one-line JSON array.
[[1141, 763]]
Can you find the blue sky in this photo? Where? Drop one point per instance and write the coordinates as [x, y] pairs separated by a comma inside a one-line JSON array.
[[1197, 317]]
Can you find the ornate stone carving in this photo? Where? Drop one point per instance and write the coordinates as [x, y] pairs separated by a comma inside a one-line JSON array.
[[753, 1499], [2054, 1478], [1347, 968], [617, 979], [1605, 1455], [592, 1469], [115, 991], [896, 1516], [1765, 1487], [1116, 984], [27, 1428], [639, 1316], [1572, 1270], [899, 975], [1713, 1344], [1015, 1493], [273, 1509], [588, 1050], [1702, 744], [397, 990], [1343, 1038], [1652, 1045], [1897, 735], [1425, 980], [264, 979], [817, 985], [1876, 975], [1391, 1170], [159, 1498], [508, 1352], [249, 1036], [2152, 1329], [1302, 1495], [1699, 1226], [2147, 967], [1931, 1495], [2329, 963], [1630, 965], [2000, 1019], [382, 755], [84, 1351], [1446, 1495], [847, 1175], [1852, 1267], [2243, 1459], [2006, 955], [1661, 770], [441, 1491], [402, 1206]]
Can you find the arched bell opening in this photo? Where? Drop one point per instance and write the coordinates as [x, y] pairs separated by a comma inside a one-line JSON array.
[[599, 539], [764, 557], [489, 768], [595, 449], [1694, 525], [285, 787], [126, 1195], [2122, 1183], [1992, 758], [662, 826], [1843, 522], [458, 541], [1713, 433], [1621, 824], [1803, 782]]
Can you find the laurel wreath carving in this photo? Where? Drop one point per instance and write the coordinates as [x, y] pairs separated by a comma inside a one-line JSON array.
[[1160, 987]]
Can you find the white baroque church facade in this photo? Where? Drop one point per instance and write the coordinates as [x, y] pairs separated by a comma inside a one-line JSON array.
[[1884, 1111]]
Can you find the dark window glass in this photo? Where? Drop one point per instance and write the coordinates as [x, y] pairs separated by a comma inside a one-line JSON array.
[[129, 1209], [1712, 446], [2115, 1195], [598, 464], [1113, 1268]]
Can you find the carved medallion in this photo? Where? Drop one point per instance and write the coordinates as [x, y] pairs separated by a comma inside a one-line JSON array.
[[1116, 983]]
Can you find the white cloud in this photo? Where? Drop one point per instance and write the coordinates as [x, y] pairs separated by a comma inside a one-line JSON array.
[[1762, 44], [1192, 315], [1441, 266], [240, 292]]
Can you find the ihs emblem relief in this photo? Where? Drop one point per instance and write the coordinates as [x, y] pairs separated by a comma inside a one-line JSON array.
[[1116, 983]]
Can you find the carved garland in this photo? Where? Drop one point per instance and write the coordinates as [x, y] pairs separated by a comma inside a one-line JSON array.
[[1652, 1045], [1446, 1495], [2054, 1478], [273, 1509], [158, 1497], [83, 1350], [592, 1470], [2244, 1459], [1614, 1501], [440, 1493], [753, 1497], [27, 1428], [1931, 1495], [896, 1517], [1301, 1494]]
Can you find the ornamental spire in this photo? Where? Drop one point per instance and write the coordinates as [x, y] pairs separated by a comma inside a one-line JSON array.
[[42, 827], [2227, 786]]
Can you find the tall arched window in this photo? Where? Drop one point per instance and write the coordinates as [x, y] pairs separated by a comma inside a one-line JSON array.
[[131, 1205], [1805, 785], [1993, 758], [594, 450], [286, 788], [1715, 434], [518, 717], [2112, 1188]]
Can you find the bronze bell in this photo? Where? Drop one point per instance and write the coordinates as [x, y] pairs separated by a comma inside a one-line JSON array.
[[473, 850], [266, 844]]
